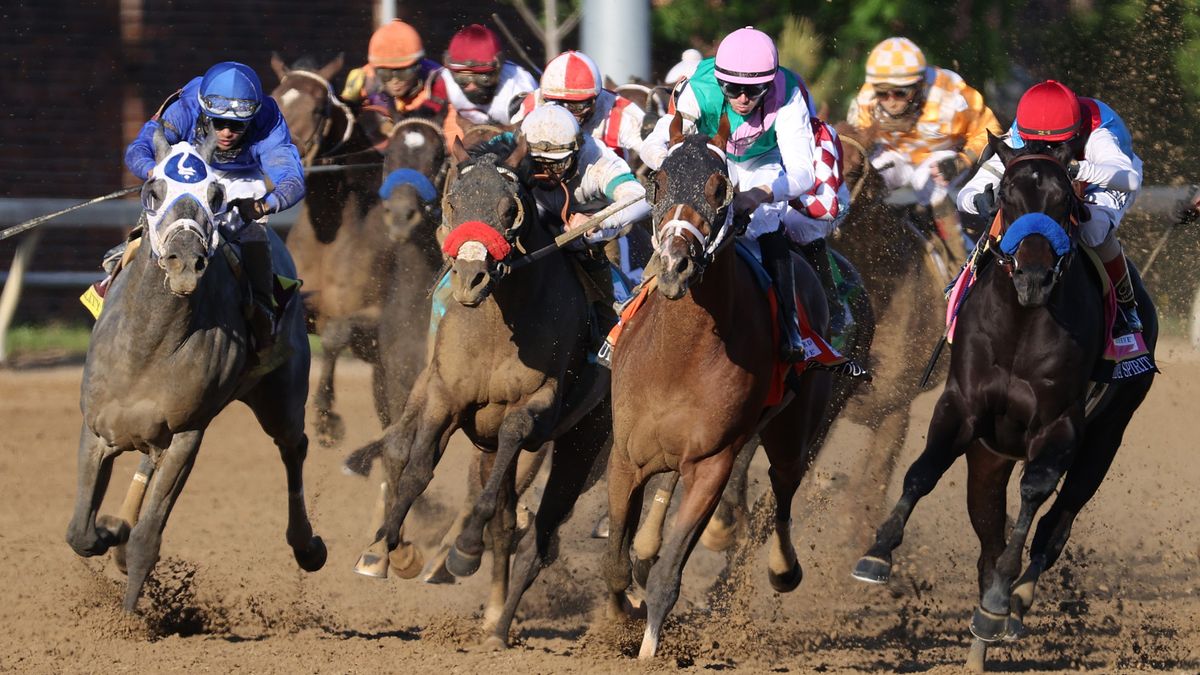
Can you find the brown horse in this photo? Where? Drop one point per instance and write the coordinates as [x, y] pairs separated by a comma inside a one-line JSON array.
[[909, 309], [691, 376], [339, 241], [509, 368]]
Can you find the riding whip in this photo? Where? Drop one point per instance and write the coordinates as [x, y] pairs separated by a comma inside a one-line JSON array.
[[30, 224], [517, 48], [574, 233]]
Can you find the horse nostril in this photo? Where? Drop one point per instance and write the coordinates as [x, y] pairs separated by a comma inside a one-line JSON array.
[[200, 264], [478, 280], [681, 266]]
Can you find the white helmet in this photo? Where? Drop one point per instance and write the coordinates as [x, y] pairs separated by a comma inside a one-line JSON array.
[[551, 132], [571, 76]]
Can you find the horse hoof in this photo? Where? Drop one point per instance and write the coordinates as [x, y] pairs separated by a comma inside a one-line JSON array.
[[118, 557], [313, 558], [1015, 628], [372, 564], [406, 561], [112, 529], [601, 529], [462, 564], [872, 570], [641, 570], [788, 581], [330, 429], [435, 570], [494, 643], [987, 626]]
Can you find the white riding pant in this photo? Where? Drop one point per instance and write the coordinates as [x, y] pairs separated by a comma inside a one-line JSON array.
[[238, 185], [1107, 208], [898, 171]]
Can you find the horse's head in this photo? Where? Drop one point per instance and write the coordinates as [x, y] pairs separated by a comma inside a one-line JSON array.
[[309, 104], [180, 203], [412, 166], [486, 208], [1037, 202], [690, 195]]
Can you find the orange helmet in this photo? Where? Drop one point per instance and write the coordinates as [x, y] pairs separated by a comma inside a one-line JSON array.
[[896, 61], [395, 45]]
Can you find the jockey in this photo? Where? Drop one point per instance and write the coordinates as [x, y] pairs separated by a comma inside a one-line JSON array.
[[252, 140], [770, 155], [930, 127], [1051, 113], [574, 176], [396, 81], [572, 80], [480, 85]]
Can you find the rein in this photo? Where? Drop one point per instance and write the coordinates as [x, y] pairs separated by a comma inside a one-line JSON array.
[[1070, 224]]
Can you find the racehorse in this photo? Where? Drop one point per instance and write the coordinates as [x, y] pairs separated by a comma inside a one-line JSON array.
[[1030, 333], [169, 351], [339, 242], [906, 296], [509, 368], [691, 376]]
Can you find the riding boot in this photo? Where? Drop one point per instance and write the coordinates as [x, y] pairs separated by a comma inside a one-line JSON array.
[[256, 262], [777, 259], [1122, 283], [817, 255], [949, 228]]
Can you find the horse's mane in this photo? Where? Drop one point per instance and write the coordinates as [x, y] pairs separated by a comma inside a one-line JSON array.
[[307, 62]]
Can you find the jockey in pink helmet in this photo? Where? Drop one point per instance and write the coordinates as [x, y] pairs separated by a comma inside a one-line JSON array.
[[770, 153]]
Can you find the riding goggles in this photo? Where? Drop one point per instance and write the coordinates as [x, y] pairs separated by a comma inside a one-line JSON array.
[[404, 73], [576, 108], [236, 126], [735, 90], [898, 93], [240, 108], [485, 80]]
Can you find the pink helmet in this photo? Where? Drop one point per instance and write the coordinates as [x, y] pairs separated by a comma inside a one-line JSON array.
[[747, 56]]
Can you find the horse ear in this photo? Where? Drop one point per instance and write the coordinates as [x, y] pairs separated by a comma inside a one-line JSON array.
[[1001, 148], [277, 64], [216, 197], [333, 67], [515, 157], [722, 136], [717, 190], [1063, 152], [162, 147], [609, 84], [208, 147], [677, 129], [458, 151]]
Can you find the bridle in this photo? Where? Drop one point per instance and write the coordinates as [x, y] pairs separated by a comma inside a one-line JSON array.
[[1070, 223], [313, 146], [702, 249]]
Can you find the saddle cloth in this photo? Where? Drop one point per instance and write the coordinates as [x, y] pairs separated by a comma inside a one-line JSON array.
[[816, 349]]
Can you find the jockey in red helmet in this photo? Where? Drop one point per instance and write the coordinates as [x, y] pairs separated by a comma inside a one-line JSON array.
[[480, 84], [1103, 158]]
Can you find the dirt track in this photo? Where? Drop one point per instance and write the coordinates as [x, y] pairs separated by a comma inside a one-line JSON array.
[[227, 595]]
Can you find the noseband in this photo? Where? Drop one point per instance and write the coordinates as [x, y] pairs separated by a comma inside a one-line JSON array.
[[701, 248], [1070, 224]]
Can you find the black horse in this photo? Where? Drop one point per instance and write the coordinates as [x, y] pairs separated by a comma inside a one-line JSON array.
[[1029, 336]]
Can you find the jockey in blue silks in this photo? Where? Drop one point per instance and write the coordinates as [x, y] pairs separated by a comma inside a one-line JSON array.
[[251, 139]]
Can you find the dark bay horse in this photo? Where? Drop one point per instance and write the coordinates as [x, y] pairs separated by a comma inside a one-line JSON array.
[[168, 353], [339, 241], [509, 368], [1029, 335], [691, 375]]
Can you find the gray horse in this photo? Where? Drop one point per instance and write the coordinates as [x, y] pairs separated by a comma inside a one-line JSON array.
[[169, 351]]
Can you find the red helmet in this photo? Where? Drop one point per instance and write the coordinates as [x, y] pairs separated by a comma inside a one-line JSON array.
[[571, 76], [1049, 111], [474, 49]]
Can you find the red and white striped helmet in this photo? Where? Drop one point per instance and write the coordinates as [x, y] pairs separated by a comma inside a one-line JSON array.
[[571, 76]]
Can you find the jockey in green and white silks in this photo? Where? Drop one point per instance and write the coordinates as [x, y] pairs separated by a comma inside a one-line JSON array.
[[770, 152]]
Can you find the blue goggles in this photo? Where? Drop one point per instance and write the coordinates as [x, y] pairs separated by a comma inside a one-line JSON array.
[[240, 108]]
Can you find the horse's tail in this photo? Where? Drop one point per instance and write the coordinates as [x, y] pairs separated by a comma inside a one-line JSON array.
[[359, 462]]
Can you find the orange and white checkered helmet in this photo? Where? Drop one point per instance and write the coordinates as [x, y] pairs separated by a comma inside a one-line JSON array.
[[571, 76], [896, 61]]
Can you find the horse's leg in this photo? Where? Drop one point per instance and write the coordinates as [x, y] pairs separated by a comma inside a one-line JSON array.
[[141, 551], [411, 449], [379, 387], [278, 404], [95, 469], [435, 571], [575, 451], [131, 507], [501, 526], [1102, 439], [944, 445], [1051, 451], [624, 508], [703, 482], [334, 340], [719, 533], [987, 481], [514, 433], [648, 540]]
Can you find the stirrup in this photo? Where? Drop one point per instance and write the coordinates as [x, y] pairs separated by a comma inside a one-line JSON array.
[[1129, 321]]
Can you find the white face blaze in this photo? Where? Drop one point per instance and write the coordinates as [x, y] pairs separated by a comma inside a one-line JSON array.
[[414, 139], [472, 251], [288, 97], [186, 176]]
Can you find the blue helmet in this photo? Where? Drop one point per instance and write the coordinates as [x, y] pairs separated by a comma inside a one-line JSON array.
[[230, 91]]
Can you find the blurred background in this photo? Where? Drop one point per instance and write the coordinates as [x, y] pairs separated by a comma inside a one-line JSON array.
[[81, 78]]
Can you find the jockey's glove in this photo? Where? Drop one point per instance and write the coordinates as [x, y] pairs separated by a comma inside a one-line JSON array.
[[1073, 169], [746, 202], [248, 208], [985, 202]]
